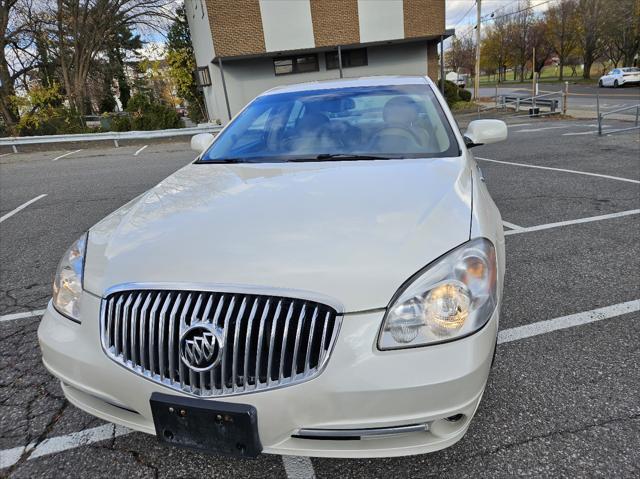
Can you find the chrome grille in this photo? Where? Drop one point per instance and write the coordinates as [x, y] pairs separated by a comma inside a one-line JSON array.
[[266, 341]]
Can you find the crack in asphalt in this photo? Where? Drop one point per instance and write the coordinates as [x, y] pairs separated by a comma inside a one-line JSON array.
[[30, 446]]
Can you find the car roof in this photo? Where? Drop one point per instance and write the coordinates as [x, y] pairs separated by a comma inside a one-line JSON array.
[[350, 83]]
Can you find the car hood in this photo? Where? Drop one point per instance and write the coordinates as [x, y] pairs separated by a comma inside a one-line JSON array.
[[349, 231]]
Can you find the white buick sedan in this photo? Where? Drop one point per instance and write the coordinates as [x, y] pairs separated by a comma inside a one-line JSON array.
[[324, 279]]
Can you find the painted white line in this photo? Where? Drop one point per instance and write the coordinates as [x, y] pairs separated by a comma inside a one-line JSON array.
[[21, 207], [4, 154], [66, 154], [140, 150], [9, 457], [511, 225], [514, 125], [298, 467], [581, 133], [530, 130], [578, 319], [26, 314], [301, 467], [560, 169], [571, 222], [77, 439]]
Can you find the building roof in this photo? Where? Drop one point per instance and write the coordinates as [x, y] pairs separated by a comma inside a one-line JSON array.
[[284, 53]]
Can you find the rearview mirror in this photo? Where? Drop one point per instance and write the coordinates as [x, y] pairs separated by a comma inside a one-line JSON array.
[[201, 141], [482, 132]]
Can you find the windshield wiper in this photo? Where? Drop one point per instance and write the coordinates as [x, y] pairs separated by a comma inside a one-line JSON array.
[[344, 157], [228, 161]]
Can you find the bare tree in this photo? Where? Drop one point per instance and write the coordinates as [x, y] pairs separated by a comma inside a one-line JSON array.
[[519, 33], [17, 52], [621, 31], [590, 14], [85, 29], [562, 31], [461, 54]]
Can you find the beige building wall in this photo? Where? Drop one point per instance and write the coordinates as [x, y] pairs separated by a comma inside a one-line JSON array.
[[236, 27], [335, 22]]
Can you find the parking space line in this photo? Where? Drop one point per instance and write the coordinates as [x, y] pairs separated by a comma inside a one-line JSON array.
[[9, 457], [570, 222], [511, 225], [583, 133], [140, 150], [298, 467], [66, 154], [26, 314], [629, 180], [21, 207], [530, 130], [301, 466], [4, 154], [564, 322]]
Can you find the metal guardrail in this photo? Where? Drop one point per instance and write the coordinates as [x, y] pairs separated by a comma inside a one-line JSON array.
[[15, 141], [601, 117], [503, 102], [534, 101]]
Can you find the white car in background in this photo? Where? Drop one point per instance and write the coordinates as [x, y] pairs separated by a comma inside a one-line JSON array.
[[324, 280], [620, 76]]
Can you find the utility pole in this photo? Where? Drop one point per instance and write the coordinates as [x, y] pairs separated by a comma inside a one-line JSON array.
[[476, 83]]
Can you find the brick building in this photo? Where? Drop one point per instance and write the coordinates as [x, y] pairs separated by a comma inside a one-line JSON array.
[[244, 47]]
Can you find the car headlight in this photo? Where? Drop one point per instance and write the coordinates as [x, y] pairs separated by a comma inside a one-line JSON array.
[[451, 298], [67, 286]]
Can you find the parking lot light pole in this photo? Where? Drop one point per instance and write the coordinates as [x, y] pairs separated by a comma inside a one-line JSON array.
[[340, 59]]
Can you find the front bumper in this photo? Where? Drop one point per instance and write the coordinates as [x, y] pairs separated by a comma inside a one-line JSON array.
[[361, 388]]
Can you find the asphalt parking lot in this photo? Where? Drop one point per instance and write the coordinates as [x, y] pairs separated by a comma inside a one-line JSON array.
[[562, 399]]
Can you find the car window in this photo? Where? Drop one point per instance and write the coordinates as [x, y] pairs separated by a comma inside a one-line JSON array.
[[396, 121], [616, 72]]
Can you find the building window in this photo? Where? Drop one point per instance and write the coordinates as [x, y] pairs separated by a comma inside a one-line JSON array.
[[297, 64], [203, 76], [350, 58]]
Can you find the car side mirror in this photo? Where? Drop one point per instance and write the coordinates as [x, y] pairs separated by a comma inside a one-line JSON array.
[[201, 141], [483, 132]]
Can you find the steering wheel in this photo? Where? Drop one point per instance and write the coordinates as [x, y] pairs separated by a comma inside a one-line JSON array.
[[396, 130]]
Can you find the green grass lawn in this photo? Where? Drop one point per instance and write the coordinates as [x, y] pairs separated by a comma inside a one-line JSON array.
[[549, 75]]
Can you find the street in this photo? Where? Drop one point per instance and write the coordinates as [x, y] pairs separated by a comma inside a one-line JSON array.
[[562, 398], [582, 97]]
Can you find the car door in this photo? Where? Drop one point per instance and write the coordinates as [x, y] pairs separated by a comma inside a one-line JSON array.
[[617, 75]]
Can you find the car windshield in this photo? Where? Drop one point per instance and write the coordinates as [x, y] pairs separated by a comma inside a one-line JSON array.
[[338, 124]]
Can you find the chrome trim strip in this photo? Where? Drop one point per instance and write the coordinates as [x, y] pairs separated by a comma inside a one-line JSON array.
[[232, 289], [312, 328], [247, 344], [362, 433], [265, 314], [283, 348], [236, 339], [296, 344]]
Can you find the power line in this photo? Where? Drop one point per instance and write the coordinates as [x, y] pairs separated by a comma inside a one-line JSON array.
[[465, 14], [517, 11]]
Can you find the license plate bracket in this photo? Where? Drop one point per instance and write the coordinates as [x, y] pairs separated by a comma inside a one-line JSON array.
[[214, 427]]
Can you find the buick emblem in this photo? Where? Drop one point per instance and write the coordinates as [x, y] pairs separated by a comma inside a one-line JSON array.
[[200, 347]]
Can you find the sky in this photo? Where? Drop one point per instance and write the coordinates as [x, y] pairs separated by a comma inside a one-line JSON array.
[[461, 14]]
